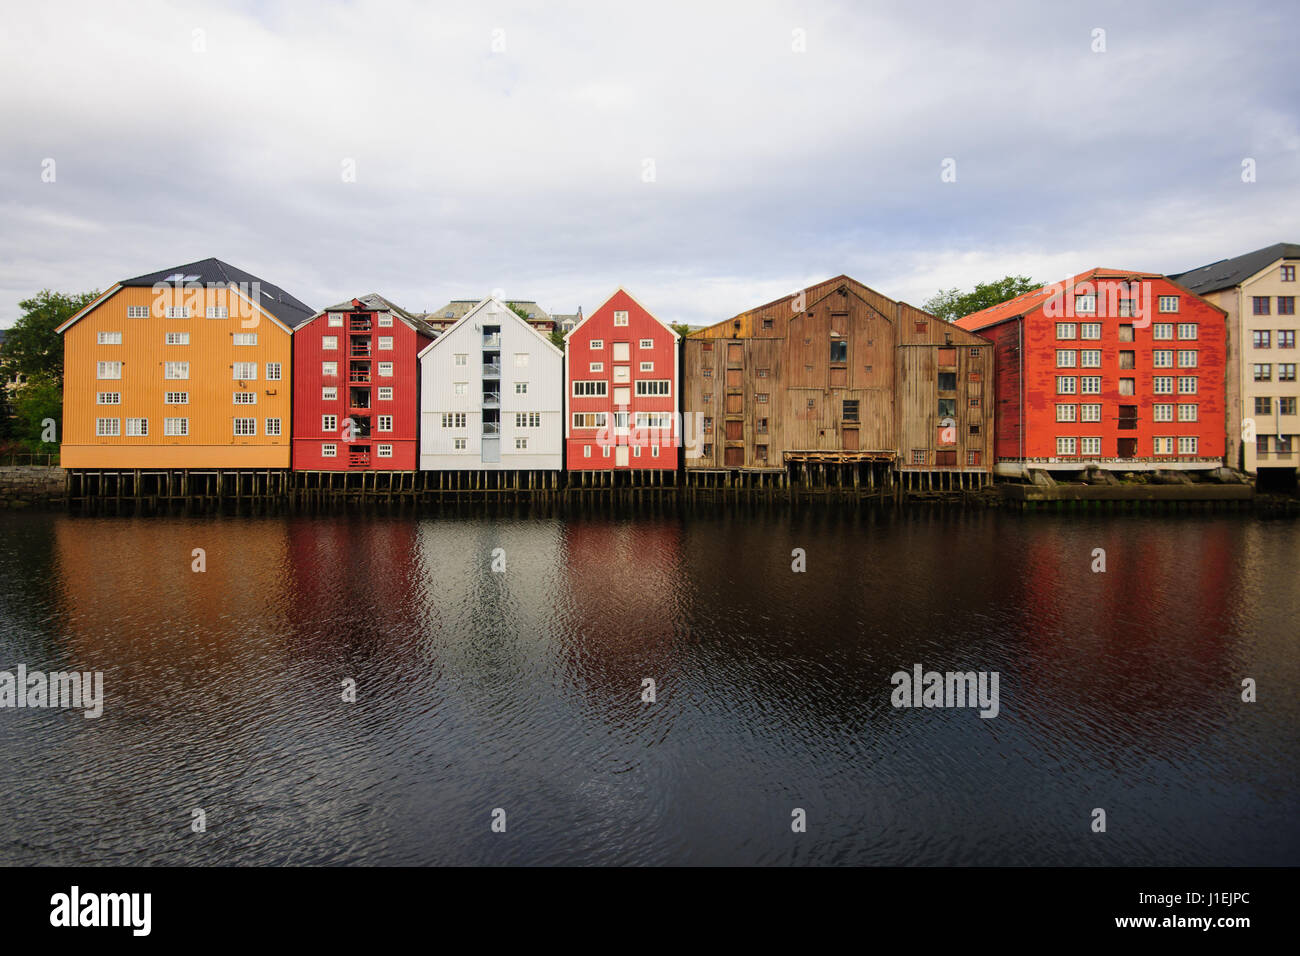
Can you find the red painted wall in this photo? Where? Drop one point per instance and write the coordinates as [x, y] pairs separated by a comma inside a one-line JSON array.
[[579, 356], [1037, 415], [309, 407]]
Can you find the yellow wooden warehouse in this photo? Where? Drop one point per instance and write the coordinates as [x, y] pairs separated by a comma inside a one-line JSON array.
[[189, 367]]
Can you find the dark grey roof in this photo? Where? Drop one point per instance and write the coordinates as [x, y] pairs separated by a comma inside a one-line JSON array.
[[213, 272], [377, 302], [1227, 273]]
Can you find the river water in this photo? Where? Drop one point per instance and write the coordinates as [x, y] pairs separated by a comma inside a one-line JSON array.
[[520, 689]]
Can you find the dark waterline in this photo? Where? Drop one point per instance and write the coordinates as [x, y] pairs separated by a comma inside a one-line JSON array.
[[521, 690]]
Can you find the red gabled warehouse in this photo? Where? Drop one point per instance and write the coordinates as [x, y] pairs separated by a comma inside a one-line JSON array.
[[1122, 371], [621, 372], [356, 387]]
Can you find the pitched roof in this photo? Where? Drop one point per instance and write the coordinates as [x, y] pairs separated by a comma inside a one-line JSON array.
[[213, 272], [503, 310], [1227, 273], [374, 300], [1027, 302]]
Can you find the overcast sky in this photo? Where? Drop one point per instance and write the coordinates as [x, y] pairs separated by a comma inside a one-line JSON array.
[[709, 157]]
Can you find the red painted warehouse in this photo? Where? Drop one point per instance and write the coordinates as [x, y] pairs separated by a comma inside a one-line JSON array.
[[621, 371], [356, 388], [1112, 369]]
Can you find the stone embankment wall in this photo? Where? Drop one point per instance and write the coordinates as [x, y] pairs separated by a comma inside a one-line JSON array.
[[25, 486]]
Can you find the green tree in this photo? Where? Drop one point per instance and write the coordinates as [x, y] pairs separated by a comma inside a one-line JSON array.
[[955, 304], [557, 338], [32, 405], [681, 328], [33, 347], [518, 310]]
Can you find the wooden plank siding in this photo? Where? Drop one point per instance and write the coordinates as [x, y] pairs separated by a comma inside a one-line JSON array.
[[769, 386]]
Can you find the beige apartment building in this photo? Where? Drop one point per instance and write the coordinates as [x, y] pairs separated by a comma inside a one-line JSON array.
[[1258, 291]]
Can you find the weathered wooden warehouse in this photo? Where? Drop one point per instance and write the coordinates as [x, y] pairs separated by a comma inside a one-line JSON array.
[[839, 377]]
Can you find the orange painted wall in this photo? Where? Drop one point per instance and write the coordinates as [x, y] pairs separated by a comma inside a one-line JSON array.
[[211, 352]]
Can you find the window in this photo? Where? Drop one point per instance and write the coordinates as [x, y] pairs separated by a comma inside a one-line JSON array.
[[597, 344], [590, 419], [1163, 385], [647, 366], [763, 372], [1090, 413], [636, 451], [849, 411], [1126, 333], [329, 343], [620, 317], [1066, 330], [383, 451], [760, 426], [273, 426], [459, 444], [217, 312], [521, 360], [1288, 273], [245, 371], [1090, 330], [462, 358], [596, 367], [1283, 445], [839, 350], [273, 371], [1162, 358], [605, 451], [1090, 385], [1066, 358], [329, 369], [521, 444], [1162, 412], [453, 419], [1126, 386], [1263, 373], [1188, 330], [1260, 304], [1261, 338], [1168, 303], [1066, 446], [919, 456], [1187, 445], [1090, 446], [176, 398], [108, 398], [762, 398], [105, 427], [384, 423], [108, 369], [1126, 308], [1065, 413], [245, 338], [386, 345], [1066, 384], [1286, 338], [1090, 358], [177, 338], [176, 370], [385, 369], [176, 427], [245, 398], [947, 407], [329, 393], [386, 322], [521, 388], [110, 338], [1263, 405], [137, 311], [1187, 413], [583, 389], [1286, 372], [137, 427], [1085, 304], [245, 426], [1162, 331], [947, 381], [335, 320], [328, 450], [1261, 444], [654, 386], [528, 419], [706, 372], [1127, 359], [1162, 446], [1187, 385], [1286, 405], [329, 423], [647, 343], [178, 311], [972, 458]]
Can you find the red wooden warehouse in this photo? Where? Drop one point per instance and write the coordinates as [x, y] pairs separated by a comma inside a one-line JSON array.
[[622, 374], [1115, 370], [356, 387]]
